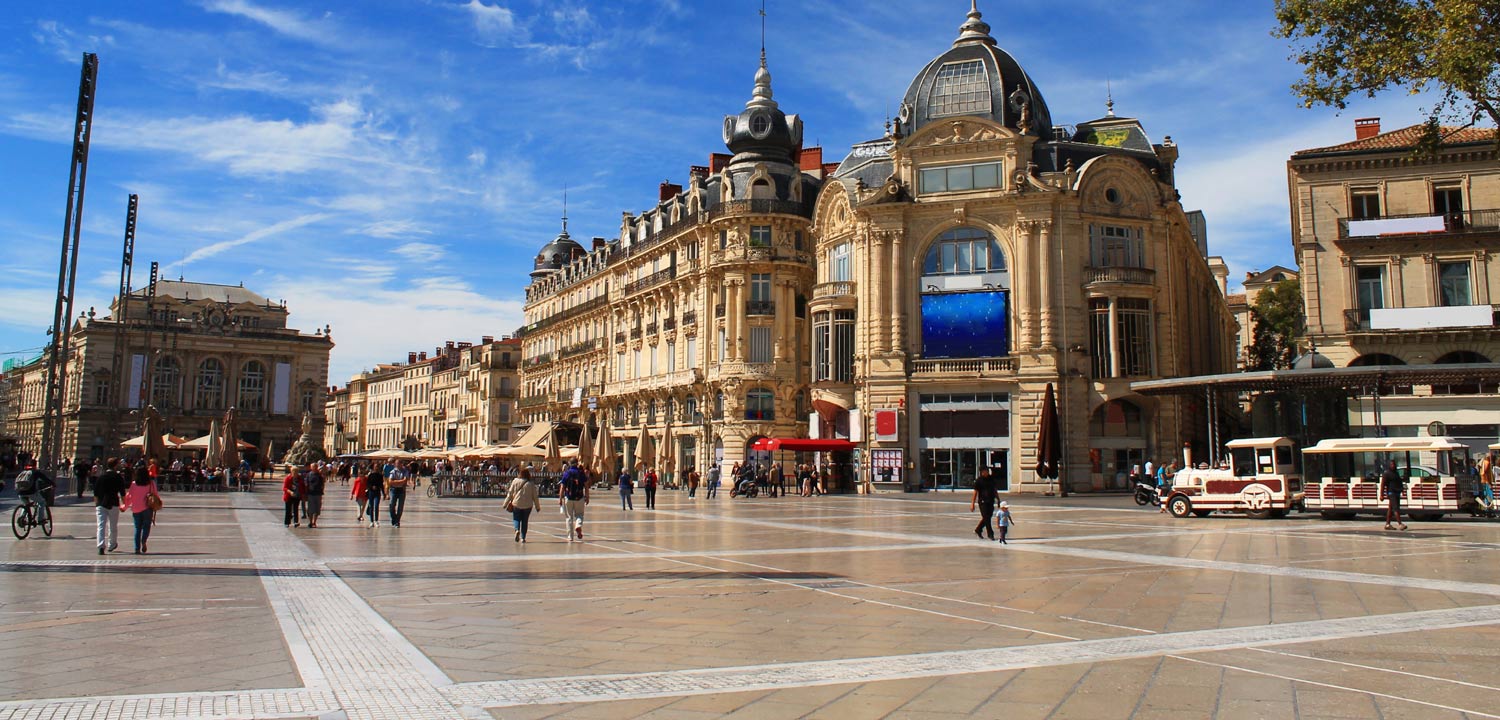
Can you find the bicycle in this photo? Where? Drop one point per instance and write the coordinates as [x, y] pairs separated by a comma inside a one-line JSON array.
[[26, 516]]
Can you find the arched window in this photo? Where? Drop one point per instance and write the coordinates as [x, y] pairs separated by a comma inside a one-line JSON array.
[[208, 391], [760, 404], [672, 410], [252, 395], [762, 190], [619, 416], [1372, 359], [965, 303], [1118, 419], [964, 251], [166, 383], [651, 412], [1463, 357]]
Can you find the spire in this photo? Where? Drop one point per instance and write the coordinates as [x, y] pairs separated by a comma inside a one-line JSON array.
[[565, 211], [761, 97], [975, 29], [1109, 103]]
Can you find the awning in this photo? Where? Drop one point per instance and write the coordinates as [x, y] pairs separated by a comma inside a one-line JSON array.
[[802, 445], [533, 435], [1345, 378]]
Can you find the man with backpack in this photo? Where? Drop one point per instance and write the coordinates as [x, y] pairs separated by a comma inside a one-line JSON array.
[[34, 484], [573, 496]]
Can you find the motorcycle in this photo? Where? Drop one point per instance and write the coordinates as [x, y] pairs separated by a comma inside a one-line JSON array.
[[1145, 493], [747, 488]]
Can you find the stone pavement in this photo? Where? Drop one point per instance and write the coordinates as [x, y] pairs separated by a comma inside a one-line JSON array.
[[837, 607]]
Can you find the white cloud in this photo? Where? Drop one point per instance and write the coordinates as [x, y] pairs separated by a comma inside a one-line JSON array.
[[287, 23], [421, 252], [392, 229], [211, 250], [495, 25], [67, 44]]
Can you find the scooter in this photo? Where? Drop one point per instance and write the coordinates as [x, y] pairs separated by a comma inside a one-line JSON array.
[[1145, 493], [746, 488]]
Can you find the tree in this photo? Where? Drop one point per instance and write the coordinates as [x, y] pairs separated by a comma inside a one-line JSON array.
[[1279, 322], [1368, 46]]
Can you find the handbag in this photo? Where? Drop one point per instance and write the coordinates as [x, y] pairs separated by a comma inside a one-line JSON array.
[[153, 501]]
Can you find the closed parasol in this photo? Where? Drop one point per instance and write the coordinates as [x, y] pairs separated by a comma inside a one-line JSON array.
[[585, 446], [1049, 438], [645, 449], [152, 430], [604, 453]]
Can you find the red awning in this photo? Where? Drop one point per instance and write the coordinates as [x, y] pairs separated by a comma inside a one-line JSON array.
[[802, 444]]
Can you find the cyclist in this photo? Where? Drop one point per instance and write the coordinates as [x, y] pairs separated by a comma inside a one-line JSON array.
[[34, 485]]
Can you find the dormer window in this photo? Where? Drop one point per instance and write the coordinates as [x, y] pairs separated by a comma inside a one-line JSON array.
[[961, 88]]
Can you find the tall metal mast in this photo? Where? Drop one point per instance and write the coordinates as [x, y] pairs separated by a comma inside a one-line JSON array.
[[119, 369], [67, 272]]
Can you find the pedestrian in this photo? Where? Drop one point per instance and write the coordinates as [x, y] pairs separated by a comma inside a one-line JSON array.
[[1004, 521], [692, 482], [142, 499], [805, 479], [315, 482], [1394, 486], [986, 491], [357, 494], [374, 493], [778, 481], [81, 469], [650, 486], [573, 497], [520, 500], [397, 484], [713, 480], [107, 492], [627, 489], [292, 491]]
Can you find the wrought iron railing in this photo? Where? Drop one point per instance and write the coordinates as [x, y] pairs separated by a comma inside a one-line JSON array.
[[760, 307], [1469, 221]]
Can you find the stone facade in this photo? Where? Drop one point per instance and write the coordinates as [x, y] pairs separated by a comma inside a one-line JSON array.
[[1397, 253], [915, 300], [193, 351]]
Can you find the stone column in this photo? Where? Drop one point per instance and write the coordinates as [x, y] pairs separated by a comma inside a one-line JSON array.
[[895, 298], [1049, 286], [1021, 281], [734, 310], [1114, 340]]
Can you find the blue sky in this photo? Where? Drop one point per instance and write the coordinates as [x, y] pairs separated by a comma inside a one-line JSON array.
[[388, 167]]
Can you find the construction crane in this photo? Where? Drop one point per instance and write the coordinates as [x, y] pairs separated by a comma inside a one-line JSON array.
[[67, 271]]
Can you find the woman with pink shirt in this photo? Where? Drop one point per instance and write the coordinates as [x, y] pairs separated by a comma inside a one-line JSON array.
[[138, 503]]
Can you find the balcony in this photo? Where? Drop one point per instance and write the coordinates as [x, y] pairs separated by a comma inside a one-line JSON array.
[[669, 324], [635, 333], [473, 386], [577, 349], [571, 312], [539, 360], [440, 414], [979, 367], [1398, 226], [505, 392], [839, 288], [760, 307], [760, 207], [531, 401], [657, 236], [471, 415], [651, 329], [619, 338], [1424, 319], [651, 281], [679, 378], [690, 317], [719, 310], [1118, 276]]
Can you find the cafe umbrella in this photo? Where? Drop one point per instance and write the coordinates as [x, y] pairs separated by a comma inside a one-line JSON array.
[[1049, 438]]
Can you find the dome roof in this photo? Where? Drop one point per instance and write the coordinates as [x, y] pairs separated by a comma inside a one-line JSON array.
[[554, 255], [762, 132], [1312, 360], [974, 78]]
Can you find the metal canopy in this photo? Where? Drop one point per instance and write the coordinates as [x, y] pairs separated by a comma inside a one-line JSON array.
[[1349, 378]]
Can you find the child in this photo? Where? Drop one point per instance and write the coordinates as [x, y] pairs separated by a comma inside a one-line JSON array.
[[1004, 521]]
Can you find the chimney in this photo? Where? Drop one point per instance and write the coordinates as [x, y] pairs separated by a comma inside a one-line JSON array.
[[698, 172], [809, 159], [449, 345], [487, 339], [1366, 128], [718, 161], [411, 357], [422, 356], [667, 191]]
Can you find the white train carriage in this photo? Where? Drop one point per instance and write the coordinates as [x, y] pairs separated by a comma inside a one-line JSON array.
[[1344, 476], [1263, 480]]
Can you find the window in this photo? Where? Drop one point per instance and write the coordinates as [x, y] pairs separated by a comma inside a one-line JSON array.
[[651, 412], [723, 345], [102, 391], [252, 394], [1453, 284], [672, 356], [762, 190], [842, 352], [821, 340], [1102, 355], [760, 287], [1134, 332], [960, 88], [692, 251], [619, 416], [797, 240], [760, 345], [1114, 246], [1447, 200], [760, 236], [719, 407], [307, 400], [957, 178], [760, 404], [1364, 203], [840, 272], [692, 351], [1370, 282], [652, 353], [723, 239], [690, 411], [964, 251], [166, 381], [635, 367], [208, 393]]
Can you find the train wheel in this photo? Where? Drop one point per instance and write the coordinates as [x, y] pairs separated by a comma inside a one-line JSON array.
[[1258, 514], [1179, 506], [1202, 513]]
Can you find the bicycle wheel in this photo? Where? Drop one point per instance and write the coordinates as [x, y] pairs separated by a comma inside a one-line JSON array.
[[46, 514], [20, 522], [432, 490]]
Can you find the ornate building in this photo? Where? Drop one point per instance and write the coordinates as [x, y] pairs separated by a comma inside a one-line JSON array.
[[1397, 253], [193, 351], [919, 295]]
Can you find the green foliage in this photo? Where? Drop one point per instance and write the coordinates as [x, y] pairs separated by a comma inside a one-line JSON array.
[[1279, 322], [1368, 46]]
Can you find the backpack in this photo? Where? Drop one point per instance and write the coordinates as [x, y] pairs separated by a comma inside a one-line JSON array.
[[26, 483], [572, 487]]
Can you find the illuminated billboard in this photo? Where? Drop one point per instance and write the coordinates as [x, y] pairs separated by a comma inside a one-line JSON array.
[[966, 325]]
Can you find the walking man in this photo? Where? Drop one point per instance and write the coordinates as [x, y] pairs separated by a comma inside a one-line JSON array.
[[986, 492], [778, 481], [374, 493], [107, 491], [397, 484], [650, 487], [573, 496], [1394, 486], [713, 480], [292, 491], [627, 489]]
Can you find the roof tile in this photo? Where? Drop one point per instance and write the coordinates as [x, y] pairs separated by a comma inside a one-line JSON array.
[[1407, 137]]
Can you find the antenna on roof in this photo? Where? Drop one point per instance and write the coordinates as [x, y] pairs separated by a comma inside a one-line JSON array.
[[762, 33], [565, 209]]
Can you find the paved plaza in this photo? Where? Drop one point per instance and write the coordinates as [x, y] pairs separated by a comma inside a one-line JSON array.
[[830, 607]]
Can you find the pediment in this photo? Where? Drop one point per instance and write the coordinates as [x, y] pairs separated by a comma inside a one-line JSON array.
[[960, 131]]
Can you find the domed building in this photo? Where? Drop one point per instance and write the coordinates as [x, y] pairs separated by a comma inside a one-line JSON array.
[[978, 254]]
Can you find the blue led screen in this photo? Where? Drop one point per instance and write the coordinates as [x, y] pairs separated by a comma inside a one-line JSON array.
[[966, 325]]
